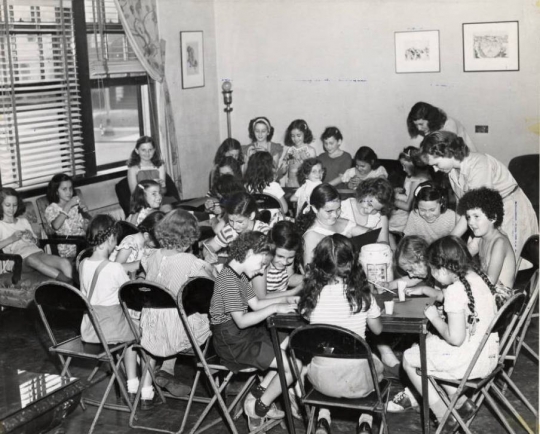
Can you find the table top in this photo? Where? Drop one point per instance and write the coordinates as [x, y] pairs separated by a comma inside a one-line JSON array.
[[22, 388], [408, 317]]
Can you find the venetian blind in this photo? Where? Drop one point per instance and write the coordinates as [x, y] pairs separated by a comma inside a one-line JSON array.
[[40, 122]]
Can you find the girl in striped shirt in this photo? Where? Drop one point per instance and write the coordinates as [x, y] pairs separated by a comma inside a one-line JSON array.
[[283, 270]]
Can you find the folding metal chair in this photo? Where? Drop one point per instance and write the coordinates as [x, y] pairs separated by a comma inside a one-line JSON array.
[[195, 296], [53, 296], [485, 388], [325, 340]]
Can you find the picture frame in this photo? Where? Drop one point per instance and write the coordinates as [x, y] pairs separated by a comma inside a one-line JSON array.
[[192, 59], [491, 46], [417, 51]]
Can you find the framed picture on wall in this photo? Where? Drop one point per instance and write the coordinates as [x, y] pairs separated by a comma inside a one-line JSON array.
[[491, 46], [192, 59], [417, 51]]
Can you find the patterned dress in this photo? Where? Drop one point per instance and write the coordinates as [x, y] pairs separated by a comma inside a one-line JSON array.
[[74, 224]]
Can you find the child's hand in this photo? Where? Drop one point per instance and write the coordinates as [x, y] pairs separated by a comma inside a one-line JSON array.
[[293, 300], [353, 183], [74, 201], [431, 312], [285, 308], [17, 235]]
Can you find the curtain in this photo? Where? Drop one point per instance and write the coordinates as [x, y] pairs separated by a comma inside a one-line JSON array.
[[139, 19]]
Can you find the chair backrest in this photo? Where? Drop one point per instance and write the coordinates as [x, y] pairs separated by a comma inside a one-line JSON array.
[[124, 195], [195, 295], [86, 253], [126, 228], [139, 294], [266, 201], [171, 187], [525, 171], [529, 252], [325, 340]]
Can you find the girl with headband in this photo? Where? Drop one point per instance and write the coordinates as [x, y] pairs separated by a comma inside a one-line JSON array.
[[261, 132]]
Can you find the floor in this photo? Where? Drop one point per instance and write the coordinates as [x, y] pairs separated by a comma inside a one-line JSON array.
[[23, 345]]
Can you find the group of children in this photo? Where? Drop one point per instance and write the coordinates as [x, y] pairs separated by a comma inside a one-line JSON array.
[[267, 271]]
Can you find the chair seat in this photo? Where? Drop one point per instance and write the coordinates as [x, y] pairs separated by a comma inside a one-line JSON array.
[[313, 397], [475, 383], [86, 350]]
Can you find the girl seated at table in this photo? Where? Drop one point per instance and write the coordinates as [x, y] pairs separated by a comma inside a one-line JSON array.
[[430, 219], [366, 166], [310, 175], [282, 271], [337, 292], [237, 318], [145, 199], [484, 209], [469, 307], [224, 187]]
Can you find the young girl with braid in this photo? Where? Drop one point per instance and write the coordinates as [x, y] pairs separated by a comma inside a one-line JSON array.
[[469, 308]]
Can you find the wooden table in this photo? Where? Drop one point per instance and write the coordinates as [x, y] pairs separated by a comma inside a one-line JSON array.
[[408, 317]]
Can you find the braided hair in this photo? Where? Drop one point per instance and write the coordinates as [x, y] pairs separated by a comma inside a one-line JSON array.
[[451, 253], [100, 228]]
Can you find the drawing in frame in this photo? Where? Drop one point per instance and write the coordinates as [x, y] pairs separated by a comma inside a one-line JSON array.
[[491, 46], [417, 51], [192, 59]]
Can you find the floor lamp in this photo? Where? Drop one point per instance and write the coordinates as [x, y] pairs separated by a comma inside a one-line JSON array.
[[227, 100]]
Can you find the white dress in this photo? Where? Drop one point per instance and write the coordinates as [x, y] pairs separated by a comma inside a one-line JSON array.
[[449, 361]]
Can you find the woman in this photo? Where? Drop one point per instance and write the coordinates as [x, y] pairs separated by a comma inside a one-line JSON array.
[[322, 219], [470, 170], [424, 119]]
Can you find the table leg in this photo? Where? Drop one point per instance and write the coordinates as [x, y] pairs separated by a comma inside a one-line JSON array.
[[425, 397], [282, 379]]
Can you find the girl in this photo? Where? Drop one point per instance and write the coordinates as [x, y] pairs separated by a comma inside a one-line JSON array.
[[241, 210], [100, 281], [260, 133], [18, 238], [145, 199], [241, 338], [310, 175], [485, 210], [280, 274], [469, 308], [145, 163], [366, 166], [226, 166], [259, 178], [371, 207], [424, 119], [322, 219], [298, 138], [334, 160], [229, 148], [133, 247], [66, 213], [469, 170], [430, 218], [171, 265], [336, 292], [404, 196]]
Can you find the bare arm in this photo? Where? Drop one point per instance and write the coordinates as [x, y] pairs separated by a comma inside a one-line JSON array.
[[132, 178], [498, 253], [311, 240], [375, 325], [16, 236], [406, 205], [453, 331], [62, 216], [123, 255], [247, 319], [384, 234], [461, 227]]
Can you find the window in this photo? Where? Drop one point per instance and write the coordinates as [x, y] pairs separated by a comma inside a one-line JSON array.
[[40, 121], [120, 89], [73, 96]]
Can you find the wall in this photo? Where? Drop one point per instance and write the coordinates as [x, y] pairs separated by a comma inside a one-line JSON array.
[[195, 110], [332, 63]]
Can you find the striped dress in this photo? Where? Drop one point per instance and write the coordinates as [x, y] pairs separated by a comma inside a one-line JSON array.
[[162, 332], [276, 280]]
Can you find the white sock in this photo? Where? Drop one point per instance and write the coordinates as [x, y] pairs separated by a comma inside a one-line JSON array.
[[365, 417], [147, 393], [133, 385], [324, 413]]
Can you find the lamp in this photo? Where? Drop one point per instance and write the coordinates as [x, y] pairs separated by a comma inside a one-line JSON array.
[[227, 100]]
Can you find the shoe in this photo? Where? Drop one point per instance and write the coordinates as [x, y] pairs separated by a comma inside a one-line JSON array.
[[450, 426], [363, 428], [254, 421], [171, 384], [323, 426], [295, 408], [403, 401]]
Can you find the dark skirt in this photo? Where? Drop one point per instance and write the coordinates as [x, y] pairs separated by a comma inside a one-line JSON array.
[[243, 348]]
